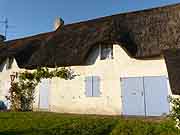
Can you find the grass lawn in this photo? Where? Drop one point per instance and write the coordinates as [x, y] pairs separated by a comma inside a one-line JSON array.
[[41, 123]]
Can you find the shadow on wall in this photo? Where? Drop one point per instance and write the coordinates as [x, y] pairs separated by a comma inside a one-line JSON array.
[[3, 107]]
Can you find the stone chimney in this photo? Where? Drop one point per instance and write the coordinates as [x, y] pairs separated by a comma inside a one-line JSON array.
[[2, 38], [58, 23]]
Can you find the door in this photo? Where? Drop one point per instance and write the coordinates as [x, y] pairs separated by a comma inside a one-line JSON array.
[[44, 94], [5, 92], [156, 95], [145, 96], [132, 96]]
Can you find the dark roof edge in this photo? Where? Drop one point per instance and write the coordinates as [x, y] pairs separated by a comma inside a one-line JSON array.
[[28, 37], [128, 13]]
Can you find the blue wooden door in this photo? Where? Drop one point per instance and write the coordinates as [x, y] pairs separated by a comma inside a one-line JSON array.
[[132, 96], [44, 94], [145, 96], [156, 95]]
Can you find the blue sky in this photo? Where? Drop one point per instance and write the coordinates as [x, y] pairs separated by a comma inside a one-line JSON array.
[[29, 17]]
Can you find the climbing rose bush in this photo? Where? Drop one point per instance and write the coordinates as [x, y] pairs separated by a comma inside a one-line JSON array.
[[22, 91]]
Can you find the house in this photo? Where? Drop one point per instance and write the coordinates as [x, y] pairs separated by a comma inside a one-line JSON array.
[[127, 64]]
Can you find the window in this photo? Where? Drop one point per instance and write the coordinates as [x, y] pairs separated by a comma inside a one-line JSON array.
[[9, 63], [106, 51], [92, 86], [2, 66]]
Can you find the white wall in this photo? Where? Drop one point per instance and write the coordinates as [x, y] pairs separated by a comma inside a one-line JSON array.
[[68, 96], [5, 79]]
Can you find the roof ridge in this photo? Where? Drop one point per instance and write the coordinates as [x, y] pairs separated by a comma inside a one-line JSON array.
[[126, 13]]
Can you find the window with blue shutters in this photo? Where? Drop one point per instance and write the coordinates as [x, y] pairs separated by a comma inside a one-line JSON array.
[[92, 86]]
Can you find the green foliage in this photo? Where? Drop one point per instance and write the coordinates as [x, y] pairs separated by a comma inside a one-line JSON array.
[[175, 112], [41, 123], [41, 73], [140, 127], [14, 96], [21, 94]]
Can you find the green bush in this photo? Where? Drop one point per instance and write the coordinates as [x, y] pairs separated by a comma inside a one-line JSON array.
[[140, 127], [175, 112]]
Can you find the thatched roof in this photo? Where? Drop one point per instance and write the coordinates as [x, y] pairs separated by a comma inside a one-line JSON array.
[[144, 34], [172, 58]]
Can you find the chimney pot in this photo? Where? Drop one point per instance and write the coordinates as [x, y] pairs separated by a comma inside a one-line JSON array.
[[59, 22]]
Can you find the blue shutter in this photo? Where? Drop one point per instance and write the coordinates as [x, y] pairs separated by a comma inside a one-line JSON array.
[[96, 86], [88, 86]]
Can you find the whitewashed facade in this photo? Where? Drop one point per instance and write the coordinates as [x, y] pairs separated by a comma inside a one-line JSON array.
[[105, 78]]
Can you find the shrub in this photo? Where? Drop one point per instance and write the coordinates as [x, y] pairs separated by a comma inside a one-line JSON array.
[[140, 127], [175, 112]]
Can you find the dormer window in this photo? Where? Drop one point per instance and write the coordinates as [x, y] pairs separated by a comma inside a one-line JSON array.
[[9, 63], [106, 51], [2, 66]]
